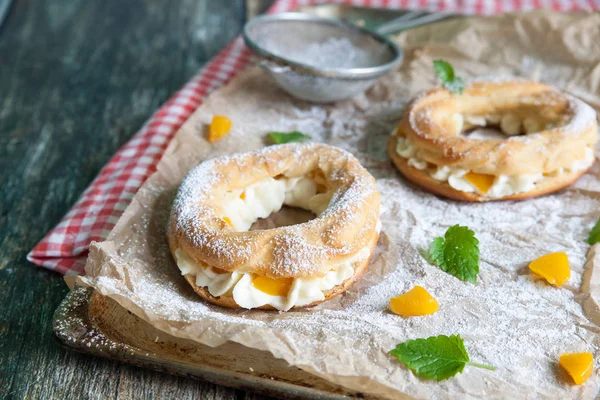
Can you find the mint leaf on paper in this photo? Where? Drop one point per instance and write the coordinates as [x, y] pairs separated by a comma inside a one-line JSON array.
[[457, 253], [287, 137], [445, 71], [437, 357], [595, 234]]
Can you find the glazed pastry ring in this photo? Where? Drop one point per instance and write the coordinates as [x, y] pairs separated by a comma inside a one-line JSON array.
[[218, 201], [549, 142]]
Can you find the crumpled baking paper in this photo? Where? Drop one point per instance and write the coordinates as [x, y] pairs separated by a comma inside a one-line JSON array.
[[508, 319]]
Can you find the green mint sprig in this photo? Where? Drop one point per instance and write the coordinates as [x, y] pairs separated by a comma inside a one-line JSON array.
[[595, 234], [457, 253], [437, 357], [445, 72], [287, 137]]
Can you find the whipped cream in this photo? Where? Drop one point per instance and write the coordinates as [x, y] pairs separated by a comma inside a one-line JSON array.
[[302, 292], [242, 207], [503, 185]]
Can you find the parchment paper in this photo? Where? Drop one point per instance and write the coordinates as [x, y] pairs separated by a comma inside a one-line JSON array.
[[508, 319]]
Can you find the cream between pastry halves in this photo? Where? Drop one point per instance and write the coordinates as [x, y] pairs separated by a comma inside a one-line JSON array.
[[543, 142], [286, 267]]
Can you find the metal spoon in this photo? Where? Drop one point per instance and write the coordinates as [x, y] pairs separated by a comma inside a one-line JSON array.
[[324, 60]]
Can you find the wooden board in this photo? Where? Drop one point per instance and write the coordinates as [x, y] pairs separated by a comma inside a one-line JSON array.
[[89, 322]]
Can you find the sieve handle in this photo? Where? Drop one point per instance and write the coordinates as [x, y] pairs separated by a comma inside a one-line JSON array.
[[410, 20]]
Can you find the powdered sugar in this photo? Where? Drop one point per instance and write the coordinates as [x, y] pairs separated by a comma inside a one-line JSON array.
[[334, 53], [578, 117], [508, 319], [582, 115], [200, 193], [329, 53]]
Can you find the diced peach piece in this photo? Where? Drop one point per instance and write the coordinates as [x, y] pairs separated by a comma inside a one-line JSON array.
[[483, 182], [578, 365], [553, 267], [219, 127], [228, 221], [273, 287], [415, 302]]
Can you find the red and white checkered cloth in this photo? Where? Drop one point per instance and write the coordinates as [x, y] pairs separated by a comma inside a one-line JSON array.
[[64, 249]]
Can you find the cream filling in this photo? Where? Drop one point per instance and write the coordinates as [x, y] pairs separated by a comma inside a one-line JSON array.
[[243, 207], [503, 185], [303, 291]]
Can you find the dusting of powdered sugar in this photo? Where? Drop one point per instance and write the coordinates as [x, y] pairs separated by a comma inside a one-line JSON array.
[[292, 253], [494, 79], [333, 52], [508, 319], [583, 116], [580, 116]]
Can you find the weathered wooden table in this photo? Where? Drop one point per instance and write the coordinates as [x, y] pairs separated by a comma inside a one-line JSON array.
[[77, 79]]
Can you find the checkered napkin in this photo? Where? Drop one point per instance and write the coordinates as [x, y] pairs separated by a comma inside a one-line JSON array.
[[64, 248]]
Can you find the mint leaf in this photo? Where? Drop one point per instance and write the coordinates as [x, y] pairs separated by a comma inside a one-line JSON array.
[[425, 254], [287, 137], [445, 71], [595, 234], [436, 252], [457, 253], [437, 357]]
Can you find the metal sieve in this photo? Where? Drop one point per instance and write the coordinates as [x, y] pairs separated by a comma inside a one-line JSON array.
[[324, 60]]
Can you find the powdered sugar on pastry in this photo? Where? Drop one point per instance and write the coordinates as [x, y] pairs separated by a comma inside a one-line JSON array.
[[198, 216], [547, 140], [285, 267], [242, 207]]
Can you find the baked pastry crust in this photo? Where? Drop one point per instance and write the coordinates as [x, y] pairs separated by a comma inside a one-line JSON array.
[[433, 123], [348, 225]]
